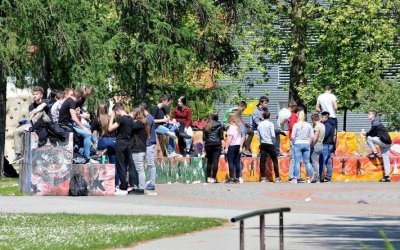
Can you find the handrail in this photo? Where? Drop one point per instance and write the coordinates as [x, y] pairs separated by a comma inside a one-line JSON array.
[[261, 213]]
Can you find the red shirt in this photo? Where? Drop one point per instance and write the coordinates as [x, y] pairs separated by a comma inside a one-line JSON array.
[[292, 120], [183, 115]]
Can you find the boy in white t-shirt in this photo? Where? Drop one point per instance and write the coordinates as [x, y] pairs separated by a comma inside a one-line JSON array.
[[328, 102]]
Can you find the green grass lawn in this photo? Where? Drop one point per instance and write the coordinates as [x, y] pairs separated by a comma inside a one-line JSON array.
[[78, 231], [9, 187]]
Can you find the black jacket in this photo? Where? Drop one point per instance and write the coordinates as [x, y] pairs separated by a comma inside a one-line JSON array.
[[379, 130], [214, 136]]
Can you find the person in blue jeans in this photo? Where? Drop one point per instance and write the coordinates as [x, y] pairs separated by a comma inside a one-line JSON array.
[[232, 149], [68, 116], [106, 139], [301, 137], [150, 148], [325, 159], [163, 124]]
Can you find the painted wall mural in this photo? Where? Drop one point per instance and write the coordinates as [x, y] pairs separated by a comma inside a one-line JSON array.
[[47, 170]]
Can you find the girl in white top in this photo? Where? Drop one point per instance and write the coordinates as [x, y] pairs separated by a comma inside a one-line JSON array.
[[232, 148], [302, 135]]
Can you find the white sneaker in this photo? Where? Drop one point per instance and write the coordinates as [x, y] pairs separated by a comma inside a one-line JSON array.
[[119, 192], [91, 161], [308, 180], [209, 180], [263, 179], [240, 180], [171, 134], [213, 180], [173, 154]]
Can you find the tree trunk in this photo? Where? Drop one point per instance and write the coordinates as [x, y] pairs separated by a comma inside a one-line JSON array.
[[298, 61], [3, 100], [344, 119]]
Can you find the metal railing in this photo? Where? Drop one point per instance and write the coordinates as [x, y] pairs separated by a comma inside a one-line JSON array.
[[261, 213]]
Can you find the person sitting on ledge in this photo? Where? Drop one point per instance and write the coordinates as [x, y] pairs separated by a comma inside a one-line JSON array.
[[379, 135]]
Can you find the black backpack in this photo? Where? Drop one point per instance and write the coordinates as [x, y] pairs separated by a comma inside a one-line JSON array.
[[78, 186]]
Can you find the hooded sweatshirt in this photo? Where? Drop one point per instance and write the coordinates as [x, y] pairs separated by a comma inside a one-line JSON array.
[[214, 136]]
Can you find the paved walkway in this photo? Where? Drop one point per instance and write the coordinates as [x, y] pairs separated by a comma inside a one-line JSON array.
[[324, 216]]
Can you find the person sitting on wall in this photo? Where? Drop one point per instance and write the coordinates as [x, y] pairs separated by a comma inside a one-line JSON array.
[[183, 115], [163, 123], [68, 116], [379, 135], [38, 111], [257, 116]]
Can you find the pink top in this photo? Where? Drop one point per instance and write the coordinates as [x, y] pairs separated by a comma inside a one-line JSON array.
[[234, 133]]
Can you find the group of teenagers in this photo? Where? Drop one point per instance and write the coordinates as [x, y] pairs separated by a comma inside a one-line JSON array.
[[314, 144], [129, 138]]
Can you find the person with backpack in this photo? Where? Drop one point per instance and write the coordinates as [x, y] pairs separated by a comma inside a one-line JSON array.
[[213, 138], [379, 135]]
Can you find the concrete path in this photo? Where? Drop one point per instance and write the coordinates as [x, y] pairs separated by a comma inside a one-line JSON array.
[[323, 216]]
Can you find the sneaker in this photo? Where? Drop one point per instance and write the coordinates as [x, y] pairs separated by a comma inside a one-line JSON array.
[[293, 180], [327, 181], [136, 192], [123, 186], [18, 158], [209, 180], [308, 180], [300, 180], [385, 179], [263, 179], [312, 177], [281, 155], [214, 180], [230, 181], [184, 135], [171, 134], [173, 154], [373, 155], [91, 161], [247, 153], [278, 180], [240, 180], [150, 186], [120, 192]]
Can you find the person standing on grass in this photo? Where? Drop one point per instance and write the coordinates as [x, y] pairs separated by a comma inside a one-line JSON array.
[[140, 134], [213, 138], [124, 128], [266, 131], [150, 148], [232, 149], [317, 144], [379, 135], [302, 135]]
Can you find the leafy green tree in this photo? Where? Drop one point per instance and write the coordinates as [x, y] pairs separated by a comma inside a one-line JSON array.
[[166, 43], [58, 43], [355, 44]]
